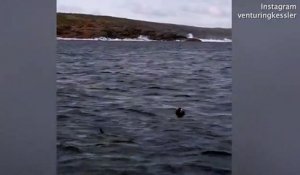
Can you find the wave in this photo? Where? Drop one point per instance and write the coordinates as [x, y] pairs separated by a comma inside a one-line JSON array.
[[140, 38], [225, 40]]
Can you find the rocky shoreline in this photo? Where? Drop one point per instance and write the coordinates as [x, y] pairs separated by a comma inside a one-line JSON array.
[[89, 26]]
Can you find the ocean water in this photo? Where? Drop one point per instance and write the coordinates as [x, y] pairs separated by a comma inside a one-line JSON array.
[[116, 108]]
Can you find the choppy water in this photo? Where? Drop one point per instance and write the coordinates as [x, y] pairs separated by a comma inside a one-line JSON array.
[[130, 90]]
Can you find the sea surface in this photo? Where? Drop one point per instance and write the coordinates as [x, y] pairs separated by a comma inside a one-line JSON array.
[[116, 108]]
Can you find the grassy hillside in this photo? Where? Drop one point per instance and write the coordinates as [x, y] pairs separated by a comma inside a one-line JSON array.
[[89, 26]]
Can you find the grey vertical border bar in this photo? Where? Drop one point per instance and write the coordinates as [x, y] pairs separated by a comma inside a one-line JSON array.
[[266, 92], [28, 88]]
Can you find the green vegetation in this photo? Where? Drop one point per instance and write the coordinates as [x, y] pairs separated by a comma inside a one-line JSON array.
[[89, 26]]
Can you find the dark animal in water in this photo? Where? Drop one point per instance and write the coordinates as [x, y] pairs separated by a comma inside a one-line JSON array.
[[70, 148], [179, 112], [112, 139], [101, 131]]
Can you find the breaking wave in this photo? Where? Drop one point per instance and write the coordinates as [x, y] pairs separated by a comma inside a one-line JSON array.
[[140, 38], [225, 40]]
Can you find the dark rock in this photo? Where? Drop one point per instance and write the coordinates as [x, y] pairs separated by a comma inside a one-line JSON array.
[[216, 153], [193, 40]]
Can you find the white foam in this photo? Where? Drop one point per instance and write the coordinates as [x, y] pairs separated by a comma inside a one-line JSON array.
[[140, 38], [190, 35], [225, 40]]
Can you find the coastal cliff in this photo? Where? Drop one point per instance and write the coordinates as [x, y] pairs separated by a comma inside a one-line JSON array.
[[90, 26]]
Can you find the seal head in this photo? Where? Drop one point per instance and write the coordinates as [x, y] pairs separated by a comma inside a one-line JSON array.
[[179, 112]]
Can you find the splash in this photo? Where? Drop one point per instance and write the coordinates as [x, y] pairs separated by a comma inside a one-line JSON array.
[[190, 35], [225, 40], [140, 38]]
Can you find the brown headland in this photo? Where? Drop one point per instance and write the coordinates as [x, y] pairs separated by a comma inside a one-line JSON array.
[[91, 26]]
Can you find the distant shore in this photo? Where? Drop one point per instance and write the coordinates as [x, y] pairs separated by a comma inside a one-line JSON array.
[[81, 26], [225, 40]]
